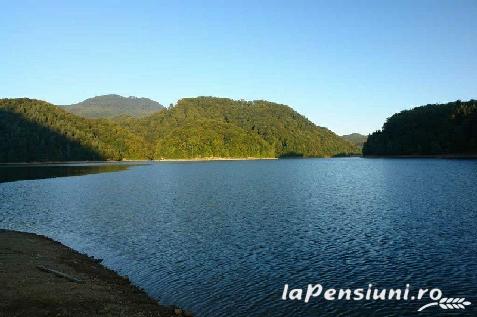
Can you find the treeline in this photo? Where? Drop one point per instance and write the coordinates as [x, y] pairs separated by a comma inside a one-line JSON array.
[[33, 130], [432, 129], [254, 128]]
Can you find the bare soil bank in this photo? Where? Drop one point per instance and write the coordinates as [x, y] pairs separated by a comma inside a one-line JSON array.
[[42, 277]]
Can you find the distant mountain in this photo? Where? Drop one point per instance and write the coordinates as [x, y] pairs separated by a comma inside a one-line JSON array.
[[110, 106], [428, 130], [356, 139]]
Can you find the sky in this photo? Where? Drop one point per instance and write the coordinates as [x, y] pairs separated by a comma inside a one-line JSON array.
[[345, 65]]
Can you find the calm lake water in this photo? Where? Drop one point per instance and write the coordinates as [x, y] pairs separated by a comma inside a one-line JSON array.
[[222, 238]]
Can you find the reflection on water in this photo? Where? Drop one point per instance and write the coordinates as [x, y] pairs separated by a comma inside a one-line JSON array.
[[10, 173]]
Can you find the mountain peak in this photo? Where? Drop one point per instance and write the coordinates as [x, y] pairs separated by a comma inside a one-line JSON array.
[[113, 105], [356, 139]]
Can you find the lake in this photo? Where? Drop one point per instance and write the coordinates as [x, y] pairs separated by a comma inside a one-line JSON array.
[[223, 238]]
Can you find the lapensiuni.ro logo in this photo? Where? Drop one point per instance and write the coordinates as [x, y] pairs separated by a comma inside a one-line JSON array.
[[433, 297]]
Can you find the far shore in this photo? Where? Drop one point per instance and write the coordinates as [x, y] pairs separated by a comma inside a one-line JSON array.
[[199, 159], [39, 163], [128, 161], [217, 159], [207, 159], [440, 156]]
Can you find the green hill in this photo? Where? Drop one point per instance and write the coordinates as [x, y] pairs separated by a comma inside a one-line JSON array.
[[432, 129], [202, 138], [356, 139], [204, 127], [271, 128], [110, 106], [34, 130]]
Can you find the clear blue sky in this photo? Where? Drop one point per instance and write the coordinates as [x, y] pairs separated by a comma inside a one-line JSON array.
[[346, 65]]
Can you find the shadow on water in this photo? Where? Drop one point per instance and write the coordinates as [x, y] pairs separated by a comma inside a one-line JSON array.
[[291, 154], [23, 140], [11, 173]]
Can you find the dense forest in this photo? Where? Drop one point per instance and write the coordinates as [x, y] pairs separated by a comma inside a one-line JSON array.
[[268, 129], [428, 130], [210, 138], [204, 127], [110, 106], [33, 130]]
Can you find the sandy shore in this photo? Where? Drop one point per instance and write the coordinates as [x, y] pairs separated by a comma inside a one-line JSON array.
[[42, 277], [217, 159]]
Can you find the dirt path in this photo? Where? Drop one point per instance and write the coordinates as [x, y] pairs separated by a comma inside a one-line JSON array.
[[29, 287]]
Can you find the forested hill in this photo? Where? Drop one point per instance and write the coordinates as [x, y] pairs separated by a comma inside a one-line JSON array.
[[356, 139], [432, 129], [205, 125], [33, 130], [110, 106]]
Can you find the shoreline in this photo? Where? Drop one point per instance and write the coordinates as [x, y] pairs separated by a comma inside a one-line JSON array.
[[72, 163], [42, 277], [211, 159], [204, 159], [437, 156], [138, 162]]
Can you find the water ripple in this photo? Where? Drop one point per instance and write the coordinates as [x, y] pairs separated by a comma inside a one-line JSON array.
[[222, 238]]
